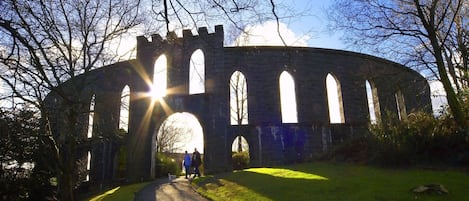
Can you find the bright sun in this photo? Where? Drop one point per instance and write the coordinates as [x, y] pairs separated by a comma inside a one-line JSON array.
[[157, 94]]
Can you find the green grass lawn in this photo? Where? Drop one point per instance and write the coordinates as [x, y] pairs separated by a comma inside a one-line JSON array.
[[327, 181], [120, 193]]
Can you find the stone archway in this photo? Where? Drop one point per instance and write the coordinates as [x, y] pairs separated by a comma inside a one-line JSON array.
[[179, 132]]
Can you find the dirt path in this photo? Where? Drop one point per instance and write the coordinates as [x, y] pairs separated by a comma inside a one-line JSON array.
[[179, 189]]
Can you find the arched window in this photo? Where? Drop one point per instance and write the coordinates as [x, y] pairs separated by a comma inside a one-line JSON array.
[[160, 77], [88, 166], [373, 101], [334, 100], [197, 73], [288, 98], [400, 104], [91, 117], [240, 150], [238, 99], [124, 109], [240, 144]]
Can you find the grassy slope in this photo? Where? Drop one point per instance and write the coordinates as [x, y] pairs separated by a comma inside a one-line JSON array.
[[325, 181]]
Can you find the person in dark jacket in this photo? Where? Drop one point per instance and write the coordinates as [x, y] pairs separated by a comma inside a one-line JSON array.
[[196, 162]]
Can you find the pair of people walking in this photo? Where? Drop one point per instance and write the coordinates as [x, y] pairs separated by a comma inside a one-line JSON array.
[[192, 162]]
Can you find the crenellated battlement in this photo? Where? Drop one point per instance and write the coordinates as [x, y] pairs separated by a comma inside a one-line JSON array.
[[187, 35]]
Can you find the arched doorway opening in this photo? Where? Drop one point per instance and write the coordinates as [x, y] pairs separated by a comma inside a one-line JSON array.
[[240, 153], [178, 133]]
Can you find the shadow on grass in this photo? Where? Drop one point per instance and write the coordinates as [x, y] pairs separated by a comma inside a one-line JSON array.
[[277, 187], [126, 192], [320, 181]]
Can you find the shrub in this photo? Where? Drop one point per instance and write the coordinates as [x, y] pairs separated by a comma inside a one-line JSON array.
[[421, 139], [240, 160], [165, 165]]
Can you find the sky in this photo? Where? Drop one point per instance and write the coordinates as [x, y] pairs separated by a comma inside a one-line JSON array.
[[315, 24], [307, 29]]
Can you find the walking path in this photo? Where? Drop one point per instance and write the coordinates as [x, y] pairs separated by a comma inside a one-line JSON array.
[[180, 189]]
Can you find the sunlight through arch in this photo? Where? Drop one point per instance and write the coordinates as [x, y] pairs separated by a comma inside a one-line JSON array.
[[124, 109], [334, 99], [288, 98], [235, 146], [238, 99], [179, 132], [160, 74], [197, 73], [88, 165], [91, 117], [400, 104], [373, 101]]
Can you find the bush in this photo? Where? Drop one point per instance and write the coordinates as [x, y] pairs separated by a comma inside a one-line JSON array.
[[165, 165], [421, 139], [240, 160]]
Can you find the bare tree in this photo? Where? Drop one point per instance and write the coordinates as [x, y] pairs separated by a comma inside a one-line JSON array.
[[177, 14], [46, 43], [173, 133], [238, 103], [168, 136], [430, 36]]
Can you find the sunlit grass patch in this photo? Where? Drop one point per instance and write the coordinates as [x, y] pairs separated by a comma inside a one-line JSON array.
[[107, 193], [227, 190], [286, 173], [123, 193], [331, 181]]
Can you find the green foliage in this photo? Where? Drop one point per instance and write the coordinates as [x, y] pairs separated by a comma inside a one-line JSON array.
[[331, 181], [165, 165], [420, 139], [122, 162], [122, 154], [240, 160], [23, 157]]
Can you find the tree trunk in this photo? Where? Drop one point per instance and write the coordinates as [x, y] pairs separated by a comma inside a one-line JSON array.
[[67, 146], [65, 183], [240, 147], [453, 102]]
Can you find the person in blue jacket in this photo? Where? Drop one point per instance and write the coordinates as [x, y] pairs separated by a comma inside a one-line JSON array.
[[187, 164]]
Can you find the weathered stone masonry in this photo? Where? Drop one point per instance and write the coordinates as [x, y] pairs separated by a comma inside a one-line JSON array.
[[271, 142]]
